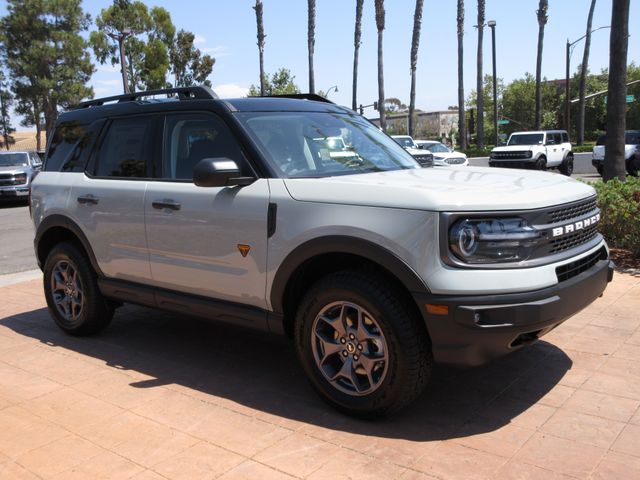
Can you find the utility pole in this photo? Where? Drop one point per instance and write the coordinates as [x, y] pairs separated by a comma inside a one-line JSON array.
[[492, 25]]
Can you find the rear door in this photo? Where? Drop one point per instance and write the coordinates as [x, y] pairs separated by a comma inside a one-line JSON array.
[[107, 201], [207, 241]]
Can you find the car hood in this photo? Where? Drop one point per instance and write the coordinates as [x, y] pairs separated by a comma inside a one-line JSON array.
[[14, 169], [514, 148], [440, 189]]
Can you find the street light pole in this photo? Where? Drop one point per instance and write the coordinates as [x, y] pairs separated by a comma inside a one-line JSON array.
[[334, 88], [567, 111], [492, 25]]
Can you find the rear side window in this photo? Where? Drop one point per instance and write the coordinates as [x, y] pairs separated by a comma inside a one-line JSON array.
[[565, 137], [124, 152], [65, 137], [632, 138], [601, 140]]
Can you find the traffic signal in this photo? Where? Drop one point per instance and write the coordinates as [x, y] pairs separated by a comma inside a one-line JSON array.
[[375, 105]]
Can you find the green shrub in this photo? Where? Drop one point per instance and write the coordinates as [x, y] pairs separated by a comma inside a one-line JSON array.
[[582, 148], [477, 152], [620, 206]]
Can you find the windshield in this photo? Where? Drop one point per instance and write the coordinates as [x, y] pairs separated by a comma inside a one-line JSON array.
[[436, 148], [318, 144], [404, 141], [526, 139], [14, 159]]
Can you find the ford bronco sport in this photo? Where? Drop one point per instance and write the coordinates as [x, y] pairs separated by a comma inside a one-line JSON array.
[[235, 210]]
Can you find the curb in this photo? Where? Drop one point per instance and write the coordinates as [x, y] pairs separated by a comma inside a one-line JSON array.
[[19, 277]]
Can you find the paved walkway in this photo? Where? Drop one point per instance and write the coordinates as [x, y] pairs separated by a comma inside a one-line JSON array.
[[161, 396]]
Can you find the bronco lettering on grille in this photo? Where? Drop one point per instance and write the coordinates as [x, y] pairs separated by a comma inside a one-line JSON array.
[[574, 227]]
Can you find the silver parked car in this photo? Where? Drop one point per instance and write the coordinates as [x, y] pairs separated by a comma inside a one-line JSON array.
[[17, 169]]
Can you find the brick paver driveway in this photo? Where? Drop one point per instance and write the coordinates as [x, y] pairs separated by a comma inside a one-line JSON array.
[[163, 396]]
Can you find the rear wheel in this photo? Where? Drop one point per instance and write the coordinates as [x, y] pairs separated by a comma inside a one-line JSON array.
[[566, 167], [600, 169], [72, 293], [541, 163], [362, 348]]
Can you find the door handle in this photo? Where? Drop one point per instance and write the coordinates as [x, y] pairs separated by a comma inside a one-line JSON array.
[[166, 203], [87, 199]]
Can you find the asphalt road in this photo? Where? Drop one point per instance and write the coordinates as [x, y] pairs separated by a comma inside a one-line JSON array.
[[16, 237]]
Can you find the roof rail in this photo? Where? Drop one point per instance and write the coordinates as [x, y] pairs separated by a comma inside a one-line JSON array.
[[184, 93], [302, 96]]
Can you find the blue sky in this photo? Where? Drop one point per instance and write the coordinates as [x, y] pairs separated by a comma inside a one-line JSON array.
[[226, 30]]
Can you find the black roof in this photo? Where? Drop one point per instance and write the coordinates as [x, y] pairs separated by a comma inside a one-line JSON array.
[[195, 98]]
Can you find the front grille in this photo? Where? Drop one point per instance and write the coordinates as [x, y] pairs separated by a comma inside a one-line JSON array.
[[9, 179], [570, 270], [455, 161], [425, 160], [572, 211], [574, 240], [514, 155]]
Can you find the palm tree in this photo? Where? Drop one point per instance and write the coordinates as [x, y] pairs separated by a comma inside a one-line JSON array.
[[415, 42], [542, 21], [311, 41], [357, 35], [614, 166], [461, 120], [261, 35], [583, 75], [380, 27], [479, 90]]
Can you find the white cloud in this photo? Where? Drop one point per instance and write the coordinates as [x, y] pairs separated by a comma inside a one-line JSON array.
[[199, 39], [230, 90], [217, 52], [106, 68]]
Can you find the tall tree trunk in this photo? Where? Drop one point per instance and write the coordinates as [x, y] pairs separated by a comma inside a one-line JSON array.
[[261, 36], [462, 130], [479, 86], [36, 116], [415, 43], [614, 161], [380, 26], [311, 41], [542, 21], [123, 64], [583, 75], [357, 35]]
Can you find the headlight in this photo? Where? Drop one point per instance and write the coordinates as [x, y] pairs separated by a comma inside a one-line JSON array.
[[480, 241], [529, 153]]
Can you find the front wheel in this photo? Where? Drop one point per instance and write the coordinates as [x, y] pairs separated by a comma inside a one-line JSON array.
[[633, 165], [541, 164], [566, 167], [72, 293], [361, 347]]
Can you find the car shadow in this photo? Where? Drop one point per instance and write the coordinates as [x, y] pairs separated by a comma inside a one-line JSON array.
[[12, 202], [261, 371]]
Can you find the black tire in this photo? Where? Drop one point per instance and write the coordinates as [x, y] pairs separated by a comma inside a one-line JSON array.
[[566, 167], [633, 165], [405, 373], [541, 163], [600, 169], [87, 311]]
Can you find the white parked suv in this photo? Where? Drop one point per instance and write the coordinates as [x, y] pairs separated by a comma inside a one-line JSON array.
[[540, 150], [234, 210], [631, 152]]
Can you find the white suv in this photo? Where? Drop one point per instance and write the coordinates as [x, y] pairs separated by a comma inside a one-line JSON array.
[[236, 211], [539, 150]]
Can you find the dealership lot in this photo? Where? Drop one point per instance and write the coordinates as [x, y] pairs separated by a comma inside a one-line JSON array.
[[163, 396]]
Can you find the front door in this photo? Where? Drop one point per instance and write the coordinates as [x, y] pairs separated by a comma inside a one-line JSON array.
[[207, 241]]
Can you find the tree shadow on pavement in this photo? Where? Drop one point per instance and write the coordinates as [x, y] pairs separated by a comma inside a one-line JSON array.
[[261, 371]]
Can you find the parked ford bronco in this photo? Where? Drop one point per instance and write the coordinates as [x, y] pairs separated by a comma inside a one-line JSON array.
[[234, 210], [539, 150]]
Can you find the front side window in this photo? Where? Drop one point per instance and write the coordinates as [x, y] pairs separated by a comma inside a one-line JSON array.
[[297, 144], [526, 139], [194, 137], [124, 151]]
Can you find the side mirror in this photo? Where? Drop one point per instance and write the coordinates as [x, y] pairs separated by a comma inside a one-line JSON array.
[[219, 172]]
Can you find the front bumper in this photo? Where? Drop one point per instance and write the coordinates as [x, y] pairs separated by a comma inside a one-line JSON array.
[[479, 328], [519, 163], [17, 191]]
